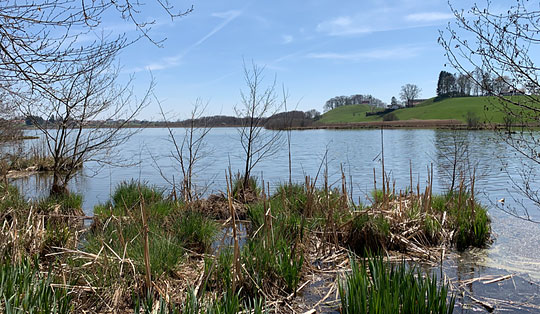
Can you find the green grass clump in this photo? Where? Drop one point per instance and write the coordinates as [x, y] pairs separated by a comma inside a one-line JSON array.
[[11, 199], [272, 255], [468, 218], [473, 228], [273, 262], [196, 231], [62, 204], [431, 228], [251, 191], [389, 288], [368, 232], [294, 195], [23, 289], [225, 303], [128, 194], [171, 230], [166, 248]]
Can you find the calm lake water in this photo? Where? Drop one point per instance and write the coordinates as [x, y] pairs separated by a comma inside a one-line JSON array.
[[516, 248]]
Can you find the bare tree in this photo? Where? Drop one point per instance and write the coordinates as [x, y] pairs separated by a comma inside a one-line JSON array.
[[9, 130], [501, 43], [53, 65], [40, 39], [409, 92], [463, 83], [453, 158], [85, 117], [257, 103], [189, 150]]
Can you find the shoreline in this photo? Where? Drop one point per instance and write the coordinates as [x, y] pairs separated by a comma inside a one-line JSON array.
[[403, 124]]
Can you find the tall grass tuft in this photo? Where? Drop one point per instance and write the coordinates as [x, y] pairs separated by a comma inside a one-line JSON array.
[[469, 218], [246, 193], [195, 230], [379, 287], [127, 194], [368, 232], [273, 253], [70, 204], [23, 289], [119, 231]]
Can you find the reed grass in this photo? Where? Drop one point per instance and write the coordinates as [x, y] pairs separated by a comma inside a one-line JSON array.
[[468, 218], [148, 238], [272, 254], [226, 303], [248, 193], [368, 232], [375, 286], [24, 289], [68, 204], [140, 239]]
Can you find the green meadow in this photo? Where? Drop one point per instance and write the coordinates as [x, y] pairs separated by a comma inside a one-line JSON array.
[[486, 109]]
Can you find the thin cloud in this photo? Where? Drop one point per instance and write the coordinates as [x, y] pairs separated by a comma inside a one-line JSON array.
[[343, 25], [228, 17], [380, 20], [429, 17], [287, 39], [369, 55], [165, 63], [227, 14]]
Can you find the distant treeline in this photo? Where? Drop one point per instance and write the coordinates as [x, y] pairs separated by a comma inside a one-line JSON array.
[[357, 99], [282, 120], [476, 83]]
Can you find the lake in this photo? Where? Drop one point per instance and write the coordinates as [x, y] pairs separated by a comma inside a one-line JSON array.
[[516, 247]]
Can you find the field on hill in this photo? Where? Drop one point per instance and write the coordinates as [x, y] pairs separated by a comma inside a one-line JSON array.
[[484, 108], [351, 113]]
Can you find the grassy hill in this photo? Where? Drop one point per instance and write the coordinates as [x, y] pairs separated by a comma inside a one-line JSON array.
[[451, 108], [352, 113]]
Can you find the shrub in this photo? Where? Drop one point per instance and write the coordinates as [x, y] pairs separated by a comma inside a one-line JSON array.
[[473, 121], [390, 117]]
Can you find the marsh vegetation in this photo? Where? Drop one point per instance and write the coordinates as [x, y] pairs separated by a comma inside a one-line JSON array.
[[148, 250]]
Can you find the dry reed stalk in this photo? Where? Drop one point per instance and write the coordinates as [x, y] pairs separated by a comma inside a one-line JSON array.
[[461, 189], [148, 277], [374, 180], [473, 179], [382, 163], [344, 194], [236, 256], [410, 175]]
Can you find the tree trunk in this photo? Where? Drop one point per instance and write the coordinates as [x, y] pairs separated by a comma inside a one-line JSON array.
[[58, 188]]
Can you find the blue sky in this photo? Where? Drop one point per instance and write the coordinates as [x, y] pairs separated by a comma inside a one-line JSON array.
[[317, 49]]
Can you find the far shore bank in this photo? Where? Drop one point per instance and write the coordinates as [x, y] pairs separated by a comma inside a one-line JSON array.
[[450, 124], [405, 124]]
